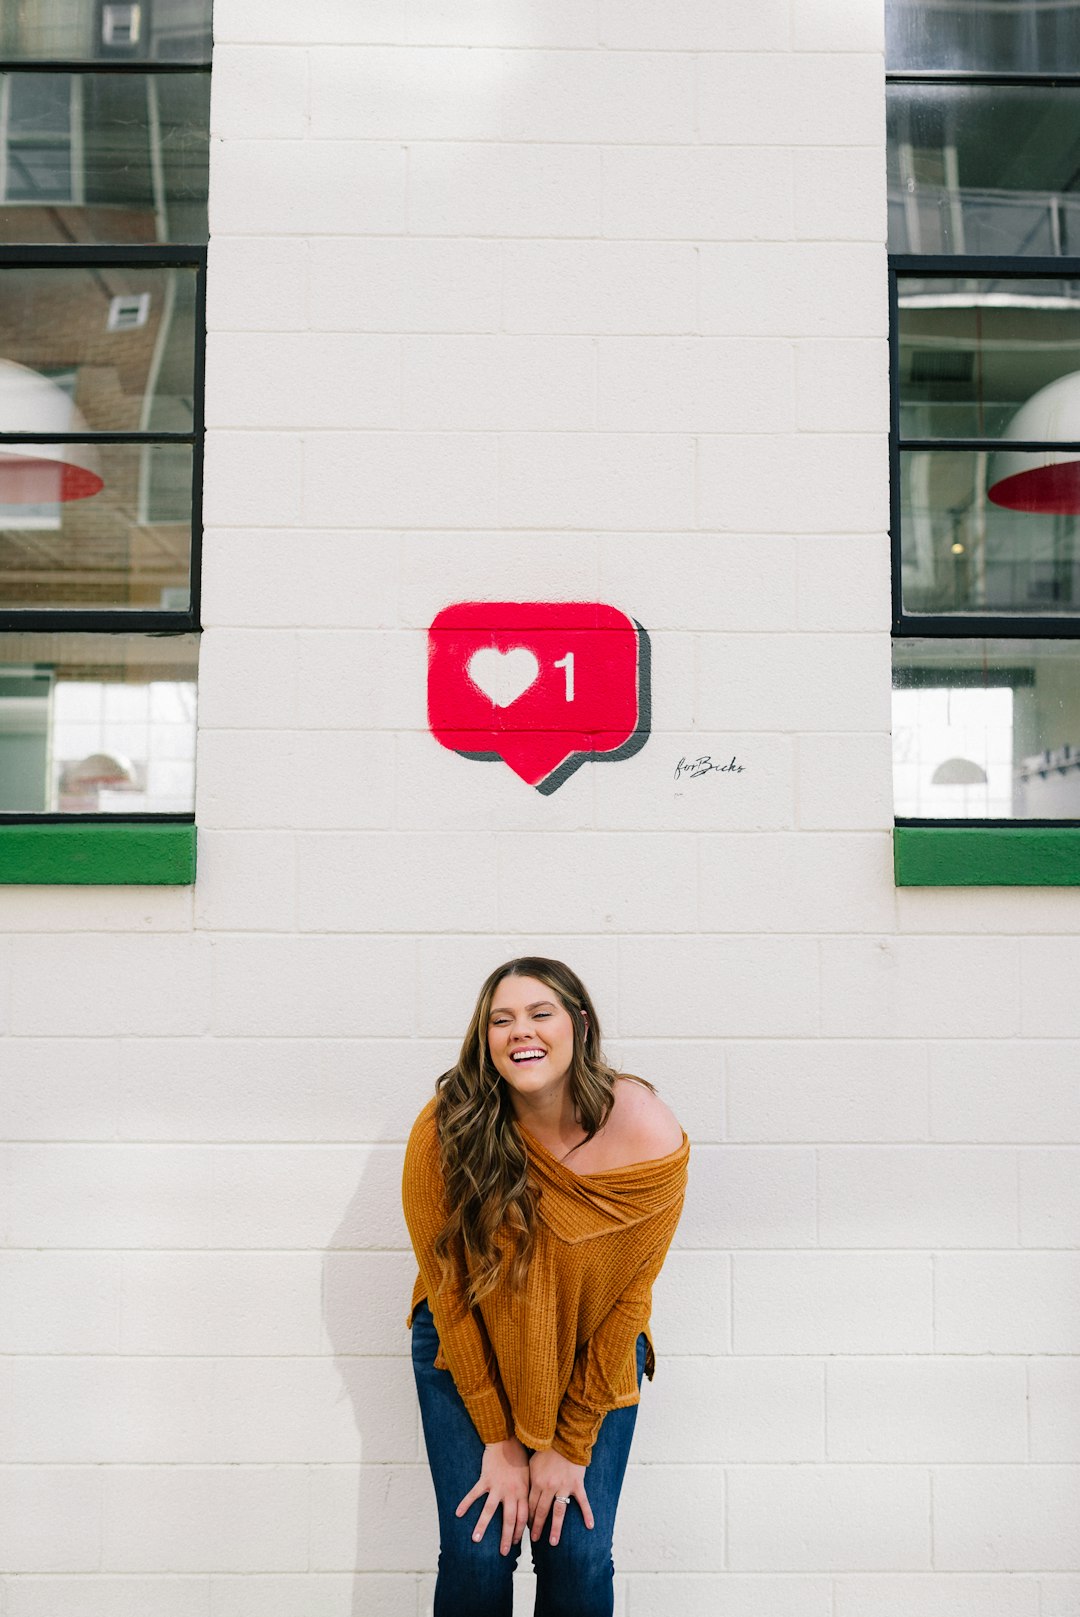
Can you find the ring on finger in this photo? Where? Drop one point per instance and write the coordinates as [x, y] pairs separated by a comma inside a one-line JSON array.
[[562, 1498]]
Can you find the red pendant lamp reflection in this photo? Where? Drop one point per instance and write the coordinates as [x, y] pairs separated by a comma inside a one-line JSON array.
[[42, 474], [1047, 480]]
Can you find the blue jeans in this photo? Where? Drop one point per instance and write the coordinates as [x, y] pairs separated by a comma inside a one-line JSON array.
[[572, 1580]]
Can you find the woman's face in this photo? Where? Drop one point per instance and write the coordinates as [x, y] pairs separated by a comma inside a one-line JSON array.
[[530, 1035]]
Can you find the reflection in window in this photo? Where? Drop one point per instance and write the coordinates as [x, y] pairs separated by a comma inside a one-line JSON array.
[[1002, 36], [97, 724], [1007, 710], [117, 30]]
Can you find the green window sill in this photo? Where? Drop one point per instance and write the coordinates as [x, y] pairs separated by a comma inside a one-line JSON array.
[[986, 856], [97, 855]]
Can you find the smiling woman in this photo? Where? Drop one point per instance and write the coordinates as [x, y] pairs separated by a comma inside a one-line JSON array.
[[541, 1191]]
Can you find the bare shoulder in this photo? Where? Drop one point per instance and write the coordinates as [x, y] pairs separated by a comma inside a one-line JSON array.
[[646, 1125]]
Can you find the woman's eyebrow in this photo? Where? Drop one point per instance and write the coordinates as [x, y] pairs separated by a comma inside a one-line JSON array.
[[506, 1010]]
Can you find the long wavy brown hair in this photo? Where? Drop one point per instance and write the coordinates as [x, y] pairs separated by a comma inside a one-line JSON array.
[[491, 1201]]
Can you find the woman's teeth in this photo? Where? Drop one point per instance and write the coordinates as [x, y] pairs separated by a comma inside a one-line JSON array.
[[527, 1055]]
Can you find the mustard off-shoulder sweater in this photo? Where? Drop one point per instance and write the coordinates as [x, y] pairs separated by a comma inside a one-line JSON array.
[[548, 1363]]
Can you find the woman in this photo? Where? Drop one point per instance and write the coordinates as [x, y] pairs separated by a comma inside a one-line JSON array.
[[541, 1191]]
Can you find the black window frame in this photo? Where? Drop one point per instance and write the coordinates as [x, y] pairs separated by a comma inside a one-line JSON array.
[[958, 266], [164, 255]]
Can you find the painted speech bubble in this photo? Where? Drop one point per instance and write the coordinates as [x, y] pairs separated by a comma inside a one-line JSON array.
[[543, 685]]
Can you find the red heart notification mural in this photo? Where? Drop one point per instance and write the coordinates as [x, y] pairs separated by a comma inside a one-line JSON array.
[[542, 685]]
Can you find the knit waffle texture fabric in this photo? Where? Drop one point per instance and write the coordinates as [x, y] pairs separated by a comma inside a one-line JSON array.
[[547, 1363]]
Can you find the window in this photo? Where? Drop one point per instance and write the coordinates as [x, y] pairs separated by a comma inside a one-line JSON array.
[[984, 239], [104, 139]]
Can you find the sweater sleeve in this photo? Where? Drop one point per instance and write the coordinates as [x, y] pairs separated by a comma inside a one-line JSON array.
[[462, 1336], [600, 1361]]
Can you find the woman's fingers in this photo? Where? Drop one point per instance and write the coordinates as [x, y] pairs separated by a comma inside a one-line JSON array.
[[522, 1519], [471, 1497], [485, 1516], [558, 1516], [583, 1500], [540, 1511]]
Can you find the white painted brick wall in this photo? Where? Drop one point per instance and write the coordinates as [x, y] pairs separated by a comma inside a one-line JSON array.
[[557, 299]]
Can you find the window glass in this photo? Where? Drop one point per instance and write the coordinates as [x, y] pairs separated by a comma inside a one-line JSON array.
[[962, 550], [103, 157], [97, 724], [983, 169], [986, 729], [93, 30], [125, 334], [1001, 36], [86, 525], [973, 353]]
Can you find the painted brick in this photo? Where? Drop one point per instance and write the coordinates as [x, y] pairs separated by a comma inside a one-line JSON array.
[[33, 1499], [108, 1196], [520, 383], [259, 94], [303, 187], [821, 1517], [251, 477], [692, 1305], [249, 679], [395, 1507], [108, 1410], [596, 480], [611, 96], [892, 986], [745, 1594], [99, 1595], [352, 883], [261, 579], [925, 1594], [797, 883], [1014, 911], [704, 1411], [926, 1410], [693, 25], [439, 791], [1054, 1404], [804, 289], [793, 682], [844, 782], [1013, 1518], [1006, 1302], [64, 909], [400, 479], [668, 1515], [220, 1302], [712, 986], [366, 1302], [738, 583], [205, 1519], [257, 284], [1050, 1197], [831, 1302], [489, 22], [826, 1090], [328, 780], [698, 193], [396, 284], [749, 1196], [60, 1302], [600, 287], [437, 569], [805, 483], [1023, 1090], [405, 92], [1048, 1006], [275, 1089], [839, 194], [64, 1089], [644, 792], [314, 1594], [688, 1075], [295, 1196], [842, 385], [312, 986], [108, 984], [790, 100], [303, 380], [842, 25], [597, 884], [842, 583], [247, 881], [274, 1410], [488, 189], [695, 384], [1058, 1594], [276, 22], [911, 1196]]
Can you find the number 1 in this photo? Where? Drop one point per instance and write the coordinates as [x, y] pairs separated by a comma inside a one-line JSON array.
[[567, 662]]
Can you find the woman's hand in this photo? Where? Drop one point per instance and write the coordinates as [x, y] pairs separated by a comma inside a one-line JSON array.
[[504, 1477], [551, 1474]]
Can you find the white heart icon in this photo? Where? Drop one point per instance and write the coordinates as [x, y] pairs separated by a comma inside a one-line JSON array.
[[503, 676]]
